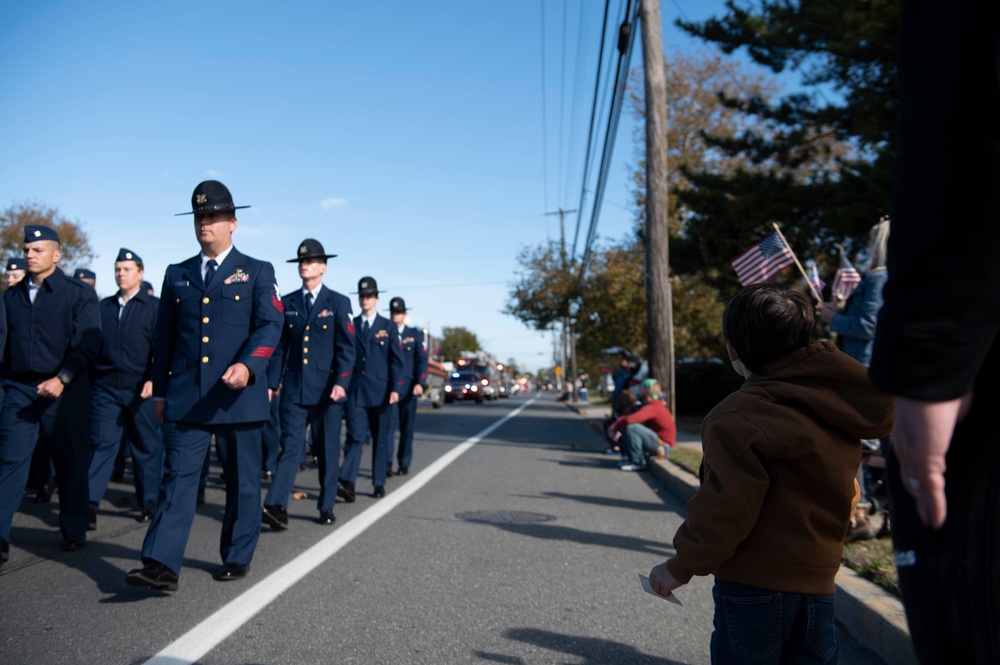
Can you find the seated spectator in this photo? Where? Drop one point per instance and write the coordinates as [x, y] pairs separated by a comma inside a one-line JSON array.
[[646, 429]]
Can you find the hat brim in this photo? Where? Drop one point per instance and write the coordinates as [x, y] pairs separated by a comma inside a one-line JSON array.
[[205, 212], [366, 293], [312, 256]]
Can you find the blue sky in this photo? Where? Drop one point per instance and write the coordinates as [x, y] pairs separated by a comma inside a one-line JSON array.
[[405, 136]]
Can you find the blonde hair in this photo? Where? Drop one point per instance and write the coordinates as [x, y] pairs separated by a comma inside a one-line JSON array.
[[878, 240]]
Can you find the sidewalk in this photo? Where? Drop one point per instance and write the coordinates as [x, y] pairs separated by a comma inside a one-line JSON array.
[[869, 614]]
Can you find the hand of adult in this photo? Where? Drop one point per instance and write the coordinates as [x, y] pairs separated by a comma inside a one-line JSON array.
[[147, 390], [920, 441], [393, 397], [236, 377], [338, 393], [662, 581], [271, 394], [826, 311], [50, 388], [418, 390]]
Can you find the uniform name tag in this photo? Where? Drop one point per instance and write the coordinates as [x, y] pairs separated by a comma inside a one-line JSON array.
[[176, 284]]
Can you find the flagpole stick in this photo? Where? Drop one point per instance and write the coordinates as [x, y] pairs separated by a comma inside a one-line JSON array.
[[796, 259]]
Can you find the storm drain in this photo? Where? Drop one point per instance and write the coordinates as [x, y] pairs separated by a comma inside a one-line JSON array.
[[505, 517]]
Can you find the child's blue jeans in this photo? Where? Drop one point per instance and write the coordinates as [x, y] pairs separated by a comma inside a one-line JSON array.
[[754, 625]]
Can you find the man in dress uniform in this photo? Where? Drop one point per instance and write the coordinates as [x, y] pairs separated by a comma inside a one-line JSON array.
[[415, 382], [375, 385], [15, 272], [123, 386], [87, 276], [54, 332], [313, 365], [218, 323]]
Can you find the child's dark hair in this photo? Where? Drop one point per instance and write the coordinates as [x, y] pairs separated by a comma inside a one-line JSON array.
[[765, 322]]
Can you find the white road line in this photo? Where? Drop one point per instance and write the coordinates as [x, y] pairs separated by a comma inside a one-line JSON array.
[[190, 647]]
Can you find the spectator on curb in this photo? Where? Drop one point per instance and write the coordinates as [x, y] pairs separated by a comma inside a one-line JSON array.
[[646, 429]]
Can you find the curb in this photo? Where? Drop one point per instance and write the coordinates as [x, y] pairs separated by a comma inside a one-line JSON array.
[[868, 613]]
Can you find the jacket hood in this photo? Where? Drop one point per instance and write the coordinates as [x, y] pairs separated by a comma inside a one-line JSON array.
[[830, 384]]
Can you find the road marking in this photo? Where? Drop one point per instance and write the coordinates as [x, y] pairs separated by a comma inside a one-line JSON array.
[[190, 647]]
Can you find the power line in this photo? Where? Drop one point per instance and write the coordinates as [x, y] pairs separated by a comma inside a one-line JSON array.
[[545, 140], [562, 100]]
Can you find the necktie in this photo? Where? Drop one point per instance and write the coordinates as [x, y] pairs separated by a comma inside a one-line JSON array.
[[309, 302], [364, 329], [210, 269]]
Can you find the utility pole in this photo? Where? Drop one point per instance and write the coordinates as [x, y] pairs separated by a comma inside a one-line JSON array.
[[659, 306], [562, 258]]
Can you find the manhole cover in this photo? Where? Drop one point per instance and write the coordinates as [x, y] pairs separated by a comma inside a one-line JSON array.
[[505, 517]]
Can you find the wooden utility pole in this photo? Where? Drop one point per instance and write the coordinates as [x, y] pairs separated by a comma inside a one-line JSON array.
[[565, 319], [659, 307]]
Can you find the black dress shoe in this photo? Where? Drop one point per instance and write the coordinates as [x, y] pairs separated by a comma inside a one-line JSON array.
[[346, 492], [74, 545], [232, 571], [44, 493], [379, 491], [201, 498], [117, 476], [388, 471], [146, 515], [153, 576], [275, 517], [326, 517], [403, 470], [4, 551], [266, 476], [92, 517]]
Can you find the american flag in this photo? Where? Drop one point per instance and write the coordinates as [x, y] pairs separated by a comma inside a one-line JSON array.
[[814, 278], [846, 279], [763, 261]]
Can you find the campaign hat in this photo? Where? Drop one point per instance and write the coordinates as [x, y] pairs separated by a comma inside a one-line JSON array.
[[209, 197], [367, 287], [125, 254], [397, 306], [33, 233], [310, 249]]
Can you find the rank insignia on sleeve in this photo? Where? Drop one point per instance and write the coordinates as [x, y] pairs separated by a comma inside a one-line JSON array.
[[350, 325], [238, 277]]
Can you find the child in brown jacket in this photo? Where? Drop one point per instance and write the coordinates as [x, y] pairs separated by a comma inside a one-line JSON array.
[[777, 484]]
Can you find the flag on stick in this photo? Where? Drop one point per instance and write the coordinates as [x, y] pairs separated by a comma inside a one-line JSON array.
[[763, 260], [817, 282], [846, 279]]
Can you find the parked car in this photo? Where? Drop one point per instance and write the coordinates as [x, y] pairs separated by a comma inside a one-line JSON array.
[[462, 386]]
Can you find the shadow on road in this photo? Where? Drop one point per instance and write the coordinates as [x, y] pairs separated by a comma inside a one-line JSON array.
[[570, 534], [590, 650]]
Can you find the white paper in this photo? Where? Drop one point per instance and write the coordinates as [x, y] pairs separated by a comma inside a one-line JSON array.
[[648, 588]]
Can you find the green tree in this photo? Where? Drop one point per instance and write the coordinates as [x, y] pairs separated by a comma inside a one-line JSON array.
[[74, 246], [455, 340], [545, 287], [819, 161]]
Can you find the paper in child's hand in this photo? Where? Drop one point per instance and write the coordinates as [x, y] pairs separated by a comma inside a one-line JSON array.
[[648, 588]]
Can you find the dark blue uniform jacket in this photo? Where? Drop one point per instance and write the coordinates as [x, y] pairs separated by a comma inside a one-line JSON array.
[[317, 348], [126, 356], [61, 332], [201, 332], [414, 361], [378, 365]]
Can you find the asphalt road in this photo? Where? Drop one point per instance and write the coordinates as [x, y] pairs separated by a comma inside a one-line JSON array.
[[518, 545]]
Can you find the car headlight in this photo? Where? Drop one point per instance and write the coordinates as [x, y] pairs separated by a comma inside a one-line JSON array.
[[447, 389], [475, 388], [485, 382]]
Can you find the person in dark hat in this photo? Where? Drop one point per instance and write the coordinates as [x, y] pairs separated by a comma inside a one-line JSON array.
[[123, 386], [46, 391], [375, 385], [312, 366], [147, 287], [87, 276], [411, 341], [16, 270], [219, 321]]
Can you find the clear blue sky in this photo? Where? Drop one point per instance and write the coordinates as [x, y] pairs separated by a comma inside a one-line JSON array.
[[405, 136]]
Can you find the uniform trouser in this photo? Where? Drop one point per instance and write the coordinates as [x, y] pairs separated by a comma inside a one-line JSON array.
[[117, 411], [61, 426], [407, 414], [360, 421], [324, 419], [185, 446], [271, 435]]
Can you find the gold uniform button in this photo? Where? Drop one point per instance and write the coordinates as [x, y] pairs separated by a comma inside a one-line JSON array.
[[306, 338], [291, 325], [178, 300], [307, 327], [237, 298], [305, 361], [205, 359], [324, 326], [305, 349], [205, 340], [205, 320], [205, 300]]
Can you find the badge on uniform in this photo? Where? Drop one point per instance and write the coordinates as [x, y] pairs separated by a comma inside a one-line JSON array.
[[350, 324], [176, 284], [407, 340], [238, 277], [324, 314], [381, 333]]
